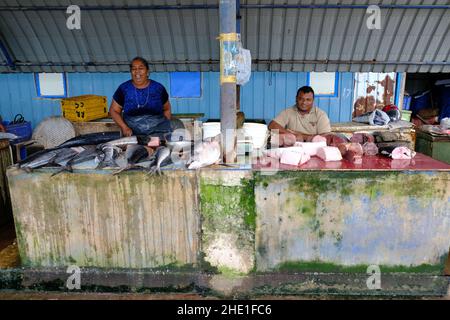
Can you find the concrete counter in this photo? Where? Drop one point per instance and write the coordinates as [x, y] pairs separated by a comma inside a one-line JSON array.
[[235, 223]]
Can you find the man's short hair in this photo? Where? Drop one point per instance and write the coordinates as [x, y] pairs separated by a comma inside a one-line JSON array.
[[305, 89]]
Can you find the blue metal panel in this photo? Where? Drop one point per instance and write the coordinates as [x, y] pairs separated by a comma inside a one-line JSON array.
[[185, 84], [398, 82], [18, 95], [266, 94]]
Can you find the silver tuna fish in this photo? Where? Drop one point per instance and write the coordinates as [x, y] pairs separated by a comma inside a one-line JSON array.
[[87, 153], [40, 159], [131, 157], [162, 156], [206, 153], [121, 142], [108, 156]]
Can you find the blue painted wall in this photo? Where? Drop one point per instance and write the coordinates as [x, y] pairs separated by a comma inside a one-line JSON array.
[[263, 97]]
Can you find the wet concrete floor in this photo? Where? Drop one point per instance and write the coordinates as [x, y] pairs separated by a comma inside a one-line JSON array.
[[9, 253], [30, 295], [9, 258], [7, 235]]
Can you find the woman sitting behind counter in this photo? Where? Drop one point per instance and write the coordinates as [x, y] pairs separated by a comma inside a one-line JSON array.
[[141, 106]]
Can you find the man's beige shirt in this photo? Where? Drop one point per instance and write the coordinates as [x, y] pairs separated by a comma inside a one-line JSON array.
[[314, 122]]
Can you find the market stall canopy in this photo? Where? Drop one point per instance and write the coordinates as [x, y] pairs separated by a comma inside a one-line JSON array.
[[182, 36]]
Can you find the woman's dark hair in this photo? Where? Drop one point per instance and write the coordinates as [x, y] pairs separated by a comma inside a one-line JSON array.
[[144, 62], [305, 89]]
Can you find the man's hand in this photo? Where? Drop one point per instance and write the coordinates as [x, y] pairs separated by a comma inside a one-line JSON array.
[[2, 128], [298, 136]]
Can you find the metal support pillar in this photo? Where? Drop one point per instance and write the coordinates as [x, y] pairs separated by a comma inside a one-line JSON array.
[[228, 39]]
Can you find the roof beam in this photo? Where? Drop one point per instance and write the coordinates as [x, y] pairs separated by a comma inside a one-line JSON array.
[[214, 61], [8, 57], [208, 7]]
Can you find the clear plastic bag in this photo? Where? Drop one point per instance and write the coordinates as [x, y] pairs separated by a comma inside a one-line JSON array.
[[375, 117], [244, 66]]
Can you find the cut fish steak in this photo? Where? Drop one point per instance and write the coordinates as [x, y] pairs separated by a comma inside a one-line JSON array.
[[329, 154]]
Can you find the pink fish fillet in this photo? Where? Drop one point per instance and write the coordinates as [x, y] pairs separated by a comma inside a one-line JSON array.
[[370, 149], [283, 140], [294, 158], [319, 138], [329, 154], [402, 153], [352, 152], [288, 139], [311, 147], [154, 142], [334, 139], [278, 152], [361, 137]]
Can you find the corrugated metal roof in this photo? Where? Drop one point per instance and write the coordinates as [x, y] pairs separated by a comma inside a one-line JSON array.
[[286, 37]]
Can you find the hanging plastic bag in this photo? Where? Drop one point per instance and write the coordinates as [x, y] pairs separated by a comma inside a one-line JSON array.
[[244, 66]]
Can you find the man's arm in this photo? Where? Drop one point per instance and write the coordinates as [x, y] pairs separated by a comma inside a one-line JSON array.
[[273, 125], [300, 136], [115, 111]]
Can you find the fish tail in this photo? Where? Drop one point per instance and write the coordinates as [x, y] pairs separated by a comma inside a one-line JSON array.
[[57, 172], [101, 165], [128, 167], [27, 169], [63, 169]]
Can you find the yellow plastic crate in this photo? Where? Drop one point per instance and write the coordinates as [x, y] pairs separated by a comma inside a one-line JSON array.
[[84, 108]]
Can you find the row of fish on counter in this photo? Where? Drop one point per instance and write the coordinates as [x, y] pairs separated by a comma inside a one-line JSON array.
[[108, 149], [334, 147]]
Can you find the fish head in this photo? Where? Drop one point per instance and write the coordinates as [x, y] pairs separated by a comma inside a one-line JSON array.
[[217, 138]]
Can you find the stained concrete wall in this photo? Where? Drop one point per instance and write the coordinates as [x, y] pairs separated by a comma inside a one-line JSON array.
[[228, 224], [234, 221], [352, 218], [98, 219]]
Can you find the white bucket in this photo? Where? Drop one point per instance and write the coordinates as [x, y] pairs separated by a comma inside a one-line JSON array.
[[211, 129], [258, 132]]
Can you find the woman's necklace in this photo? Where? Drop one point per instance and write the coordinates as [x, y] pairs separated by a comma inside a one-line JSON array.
[[137, 100]]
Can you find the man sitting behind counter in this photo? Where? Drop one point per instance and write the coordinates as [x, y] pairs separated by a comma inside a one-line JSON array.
[[303, 120]]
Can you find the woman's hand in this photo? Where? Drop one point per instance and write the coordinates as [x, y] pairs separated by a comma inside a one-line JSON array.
[[127, 132]]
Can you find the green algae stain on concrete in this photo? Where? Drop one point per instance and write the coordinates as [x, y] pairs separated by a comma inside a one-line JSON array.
[[318, 213], [106, 221], [229, 272], [224, 202], [228, 225], [248, 203], [420, 185], [328, 267]]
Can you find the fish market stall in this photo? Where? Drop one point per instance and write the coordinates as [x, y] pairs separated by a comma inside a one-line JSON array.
[[263, 218], [402, 129]]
